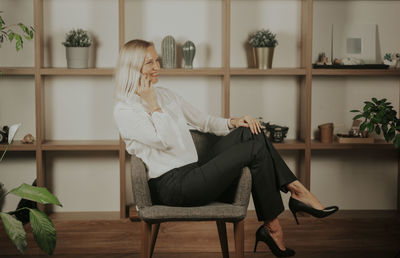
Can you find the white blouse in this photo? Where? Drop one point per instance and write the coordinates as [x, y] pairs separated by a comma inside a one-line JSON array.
[[162, 139]]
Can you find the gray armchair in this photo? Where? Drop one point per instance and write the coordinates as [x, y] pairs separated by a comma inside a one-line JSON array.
[[153, 215]]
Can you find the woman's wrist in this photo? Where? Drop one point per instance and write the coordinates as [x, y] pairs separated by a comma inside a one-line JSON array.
[[231, 123]]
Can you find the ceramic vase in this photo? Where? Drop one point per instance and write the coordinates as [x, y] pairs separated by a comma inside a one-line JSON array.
[[77, 57], [263, 57], [188, 52], [168, 52]]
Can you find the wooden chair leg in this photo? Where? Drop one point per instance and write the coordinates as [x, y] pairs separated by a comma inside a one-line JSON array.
[[154, 234], [146, 238], [223, 238], [239, 238]]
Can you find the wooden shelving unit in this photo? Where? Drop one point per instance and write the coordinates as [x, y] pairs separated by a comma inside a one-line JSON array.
[[357, 72], [305, 73]]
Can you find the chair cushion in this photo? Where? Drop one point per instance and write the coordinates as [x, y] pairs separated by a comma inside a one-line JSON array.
[[212, 211]]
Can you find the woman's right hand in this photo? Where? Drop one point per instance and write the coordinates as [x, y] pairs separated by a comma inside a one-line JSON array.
[[146, 91]]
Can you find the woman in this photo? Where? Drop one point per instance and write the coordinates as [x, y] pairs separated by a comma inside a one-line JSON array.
[[154, 121]]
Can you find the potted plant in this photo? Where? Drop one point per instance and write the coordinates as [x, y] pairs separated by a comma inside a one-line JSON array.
[[43, 229], [391, 59], [379, 116], [263, 43], [7, 33], [77, 43]]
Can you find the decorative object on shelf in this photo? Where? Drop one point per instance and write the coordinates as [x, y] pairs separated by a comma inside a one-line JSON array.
[[4, 134], [326, 132], [391, 59], [28, 139], [379, 116], [354, 41], [355, 135], [188, 52], [168, 52], [43, 228], [263, 43], [275, 133], [77, 43], [323, 59], [8, 33]]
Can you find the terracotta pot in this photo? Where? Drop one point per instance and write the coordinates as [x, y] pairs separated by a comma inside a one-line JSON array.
[[326, 132]]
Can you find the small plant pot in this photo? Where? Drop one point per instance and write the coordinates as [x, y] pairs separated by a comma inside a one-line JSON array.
[[326, 132], [263, 57], [77, 57]]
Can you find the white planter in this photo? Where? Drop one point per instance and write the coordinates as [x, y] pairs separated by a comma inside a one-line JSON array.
[[263, 57], [77, 57]]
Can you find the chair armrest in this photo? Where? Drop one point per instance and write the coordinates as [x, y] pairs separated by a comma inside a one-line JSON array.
[[242, 195], [140, 187]]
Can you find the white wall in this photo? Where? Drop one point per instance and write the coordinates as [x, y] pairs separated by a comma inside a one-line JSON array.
[[80, 107]]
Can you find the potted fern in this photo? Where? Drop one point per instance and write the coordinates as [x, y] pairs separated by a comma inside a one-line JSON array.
[[380, 117], [77, 43], [263, 43]]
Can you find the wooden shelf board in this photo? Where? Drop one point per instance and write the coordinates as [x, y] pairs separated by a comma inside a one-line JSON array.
[[356, 72], [273, 71], [99, 215], [66, 71], [379, 144], [17, 70], [18, 146], [290, 144], [191, 72], [82, 145]]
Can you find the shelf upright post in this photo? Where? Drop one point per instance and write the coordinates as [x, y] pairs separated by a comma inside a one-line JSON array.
[[226, 48], [122, 154], [305, 91], [39, 94]]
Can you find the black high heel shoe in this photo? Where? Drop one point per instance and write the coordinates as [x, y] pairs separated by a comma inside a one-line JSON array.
[[296, 205], [263, 235]]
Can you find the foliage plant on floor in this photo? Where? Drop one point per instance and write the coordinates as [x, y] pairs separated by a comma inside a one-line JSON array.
[[43, 229], [379, 116], [7, 32]]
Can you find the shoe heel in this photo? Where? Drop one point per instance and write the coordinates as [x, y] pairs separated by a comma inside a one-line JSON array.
[[295, 217], [255, 246]]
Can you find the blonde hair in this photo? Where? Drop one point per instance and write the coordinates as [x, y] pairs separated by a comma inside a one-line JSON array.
[[127, 72]]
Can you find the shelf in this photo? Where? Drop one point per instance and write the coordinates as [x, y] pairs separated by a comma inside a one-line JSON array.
[[17, 70], [103, 215], [191, 72], [18, 146], [379, 144], [357, 72], [290, 145], [66, 71], [81, 145], [273, 71]]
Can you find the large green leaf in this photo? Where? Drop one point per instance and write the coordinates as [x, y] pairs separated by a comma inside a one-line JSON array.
[[14, 230], [44, 232], [34, 193]]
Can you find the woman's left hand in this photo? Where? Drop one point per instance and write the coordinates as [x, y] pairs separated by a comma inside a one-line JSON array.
[[247, 121]]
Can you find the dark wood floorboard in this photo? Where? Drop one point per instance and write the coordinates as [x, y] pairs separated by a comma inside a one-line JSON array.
[[346, 234]]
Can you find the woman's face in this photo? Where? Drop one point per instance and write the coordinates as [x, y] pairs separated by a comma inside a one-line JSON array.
[[151, 65]]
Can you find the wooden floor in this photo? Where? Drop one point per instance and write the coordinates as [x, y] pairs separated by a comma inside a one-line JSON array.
[[345, 234]]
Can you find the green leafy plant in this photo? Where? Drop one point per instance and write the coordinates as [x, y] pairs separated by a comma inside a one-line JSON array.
[[77, 38], [43, 228], [379, 116], [263, 38], [7, 32]]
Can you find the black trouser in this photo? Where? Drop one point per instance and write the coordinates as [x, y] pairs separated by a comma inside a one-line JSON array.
[[197, 184]]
